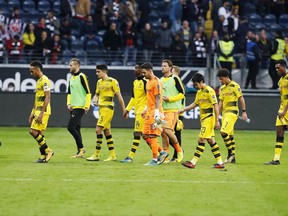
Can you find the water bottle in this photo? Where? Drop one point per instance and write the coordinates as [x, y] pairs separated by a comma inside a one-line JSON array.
[[247, 120]]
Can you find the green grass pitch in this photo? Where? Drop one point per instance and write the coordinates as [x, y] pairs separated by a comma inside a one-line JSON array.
[[67, 186]]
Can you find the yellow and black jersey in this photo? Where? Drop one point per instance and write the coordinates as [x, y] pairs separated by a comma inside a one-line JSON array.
[[283, 86], [106, 90], [139, 97], [42, 85], [229, 95], [205, 99]]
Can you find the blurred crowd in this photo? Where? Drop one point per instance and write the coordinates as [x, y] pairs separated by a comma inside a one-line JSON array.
[[120, 32]]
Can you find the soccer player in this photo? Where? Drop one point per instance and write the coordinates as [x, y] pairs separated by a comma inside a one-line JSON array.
[[106, 88], [153, 114], [179, 124], [138, 101], [78, 103], [41, 111], [282, 117], [230, 94], [209, 113], [173, 93]]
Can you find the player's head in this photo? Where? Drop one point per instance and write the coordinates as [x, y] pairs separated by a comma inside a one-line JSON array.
[[280, 67], [176, 70], [167, 66], [101, 70], [147, 70], [198, 80], [36, 68], [137, 69], [224, 76], [74, 65]]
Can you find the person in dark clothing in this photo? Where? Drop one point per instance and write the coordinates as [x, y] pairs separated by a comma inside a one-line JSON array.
[[264, 45], [148, 37], [253, 60], [88, 31], [112, 41], [178, 50]]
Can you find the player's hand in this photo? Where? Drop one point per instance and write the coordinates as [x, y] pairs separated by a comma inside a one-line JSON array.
[[157, 115], [69, 107], [180, 111], [217, 125], [143, 113], [39, 118], [244, 116], [165, 98], [31, 118], [125, 114], [86, 110]]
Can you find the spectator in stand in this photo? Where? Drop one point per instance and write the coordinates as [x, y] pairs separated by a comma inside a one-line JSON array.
[[264, 46], [148, 37], [129, 33], [264, 7], [224, 14], [185, 33], [144, 11], [164, 39], [52, 23], [178, 50], [57, 49], [193, 14], [65, 32], [88, 30], [175, 15], [15, 25], [236, 18], [3, 18], [41, 27], [28, 41], [225, 52], [66, 9], [43, 47], [131, 9], [116, 12], [15, 49], [112, 42], [253, 60], [213, 42], [198, 48], [203, 35], [98, 15], [82, 9]]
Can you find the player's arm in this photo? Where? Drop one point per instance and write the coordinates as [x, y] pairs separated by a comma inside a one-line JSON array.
[[220, 106], [84, 82], [180, 89], [121, 102], [216, 112], [45, 104], [283, 113], [130, 105], [69, 99], [32, 114], [95, 100], [243, 106], [187, 108]]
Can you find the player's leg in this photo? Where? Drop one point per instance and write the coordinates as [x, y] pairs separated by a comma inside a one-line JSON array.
[[138, 127], [281, 125], [216, 153], [37, 132], [227, 131], [74, 127], [110, 145]]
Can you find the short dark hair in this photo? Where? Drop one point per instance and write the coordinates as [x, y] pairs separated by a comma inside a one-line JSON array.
[[139, 63], [147, 66], [169, 62], [197, 77], [282, 62], [223, 72], [102, 67], [36, 64]]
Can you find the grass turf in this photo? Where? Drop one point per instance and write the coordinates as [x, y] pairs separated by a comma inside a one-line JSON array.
[[67, 186]]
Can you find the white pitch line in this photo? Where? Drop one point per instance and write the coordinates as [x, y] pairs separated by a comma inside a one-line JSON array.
[[141, 181]]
